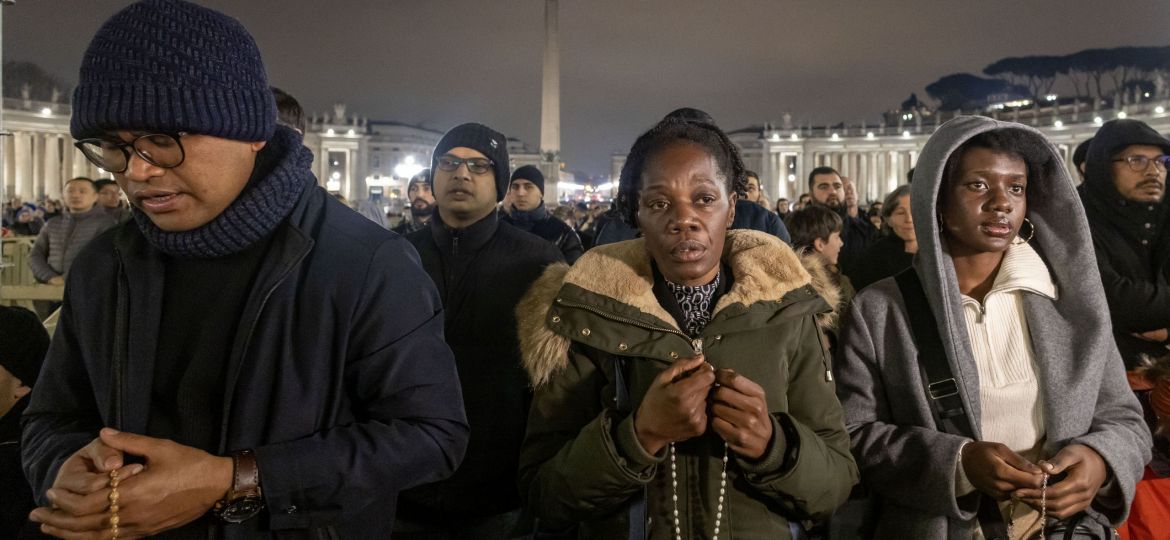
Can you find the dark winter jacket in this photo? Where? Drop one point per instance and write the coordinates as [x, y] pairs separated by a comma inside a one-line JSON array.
[[540, 223], [407, 226], [857, 234], [749, 215], [63, 237], [582, 463], [339, 379], [16, 498], [883, 259], [481, 272], [1131, 240]]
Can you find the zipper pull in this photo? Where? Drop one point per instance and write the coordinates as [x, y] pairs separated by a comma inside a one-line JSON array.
[[697, 345]]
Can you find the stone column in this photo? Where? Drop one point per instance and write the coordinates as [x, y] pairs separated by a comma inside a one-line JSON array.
[[8, 170], [52, 168], [23, 156]]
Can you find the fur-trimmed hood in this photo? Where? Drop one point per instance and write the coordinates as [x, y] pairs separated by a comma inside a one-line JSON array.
[[764, 269]]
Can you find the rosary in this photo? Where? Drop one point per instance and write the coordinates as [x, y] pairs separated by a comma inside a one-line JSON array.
[[1043, 509], [113, 497], [674, 491]]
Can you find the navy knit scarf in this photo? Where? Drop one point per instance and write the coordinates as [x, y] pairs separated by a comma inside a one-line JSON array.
[[282, 173]]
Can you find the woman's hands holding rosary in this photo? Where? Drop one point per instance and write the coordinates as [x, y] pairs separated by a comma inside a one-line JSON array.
[[998, 471], [690, 396], [1086, 473]]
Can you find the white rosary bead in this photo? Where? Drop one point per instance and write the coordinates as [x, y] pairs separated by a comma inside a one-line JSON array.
[[674, 494]]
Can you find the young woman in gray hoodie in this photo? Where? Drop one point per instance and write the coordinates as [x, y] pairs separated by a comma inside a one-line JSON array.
[[1006, 264]]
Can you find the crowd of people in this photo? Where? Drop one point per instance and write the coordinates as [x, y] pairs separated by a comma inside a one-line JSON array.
[[981, 354]]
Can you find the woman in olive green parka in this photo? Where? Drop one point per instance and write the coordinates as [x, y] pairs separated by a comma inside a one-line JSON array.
[[682, 388]]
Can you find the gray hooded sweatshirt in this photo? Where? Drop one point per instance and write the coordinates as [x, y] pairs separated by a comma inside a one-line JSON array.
[[907, 464]]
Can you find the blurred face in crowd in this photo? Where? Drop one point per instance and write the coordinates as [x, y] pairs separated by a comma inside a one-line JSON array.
[[463, 196], [983, 205], [11, 390], [901, 221], [850, 193], [110, 196], [828, 190], [782, 206], [422, 201], [831, 248], [213, 173], [1137, 183], [684, 210], [80, 196], [753, 189], [525, 195]]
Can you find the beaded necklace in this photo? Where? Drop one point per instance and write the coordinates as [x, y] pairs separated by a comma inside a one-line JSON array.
[[695, 303]]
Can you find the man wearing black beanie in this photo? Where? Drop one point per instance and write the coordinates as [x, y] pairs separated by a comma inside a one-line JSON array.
[[529, 214], [23, 343], [481, 269], [246, 358]]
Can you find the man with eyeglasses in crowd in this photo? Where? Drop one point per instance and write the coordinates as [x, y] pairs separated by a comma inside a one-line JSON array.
[[247, 358], [481, 268], [1123, 192]]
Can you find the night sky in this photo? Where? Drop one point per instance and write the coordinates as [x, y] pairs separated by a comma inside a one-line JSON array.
[[624, 63]]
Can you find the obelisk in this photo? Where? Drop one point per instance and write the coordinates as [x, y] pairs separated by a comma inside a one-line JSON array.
[[550, 105]]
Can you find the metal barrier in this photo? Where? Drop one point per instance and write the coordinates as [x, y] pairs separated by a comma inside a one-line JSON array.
[[17, 284]]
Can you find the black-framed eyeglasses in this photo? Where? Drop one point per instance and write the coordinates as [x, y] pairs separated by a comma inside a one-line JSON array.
[[1141, 163], [158, 149], [476, 165]]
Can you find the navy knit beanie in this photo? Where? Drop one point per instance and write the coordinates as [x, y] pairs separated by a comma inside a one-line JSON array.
[[170, 65], [532, 174], [484, 140]]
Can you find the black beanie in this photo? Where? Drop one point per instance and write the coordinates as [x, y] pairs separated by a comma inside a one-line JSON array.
[[168, 66], [532, 174], [23, 343], [484, 140]]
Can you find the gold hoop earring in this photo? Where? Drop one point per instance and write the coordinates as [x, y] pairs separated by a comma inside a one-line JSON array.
[[1031, 233]]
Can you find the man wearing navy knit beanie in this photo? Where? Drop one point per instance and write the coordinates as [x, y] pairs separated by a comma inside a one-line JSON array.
[[481, 268], [245, 358]]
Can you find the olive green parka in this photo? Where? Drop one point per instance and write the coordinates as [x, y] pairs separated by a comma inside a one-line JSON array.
[[581, 463]]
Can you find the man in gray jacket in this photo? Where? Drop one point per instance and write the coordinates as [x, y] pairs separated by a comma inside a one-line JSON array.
[[64, 236]]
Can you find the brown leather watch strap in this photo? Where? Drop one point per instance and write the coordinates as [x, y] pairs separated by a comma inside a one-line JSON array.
[[247, 475]]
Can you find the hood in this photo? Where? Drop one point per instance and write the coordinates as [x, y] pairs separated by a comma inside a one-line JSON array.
[[1101, 199], [1062, 240], [765, 269]]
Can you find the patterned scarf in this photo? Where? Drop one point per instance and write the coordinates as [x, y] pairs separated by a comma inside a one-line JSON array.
[[695, 303]]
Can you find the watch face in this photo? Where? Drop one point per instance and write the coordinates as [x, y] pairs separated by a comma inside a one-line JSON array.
[[241, 509]]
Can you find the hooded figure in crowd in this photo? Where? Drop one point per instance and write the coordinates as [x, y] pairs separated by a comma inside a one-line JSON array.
[[1127, 212], [1005, 263], [629, 347]]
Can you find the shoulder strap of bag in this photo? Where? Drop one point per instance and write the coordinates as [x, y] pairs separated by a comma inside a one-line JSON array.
[[941, 387]]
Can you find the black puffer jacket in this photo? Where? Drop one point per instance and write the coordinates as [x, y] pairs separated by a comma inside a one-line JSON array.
[[1131, 241]]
